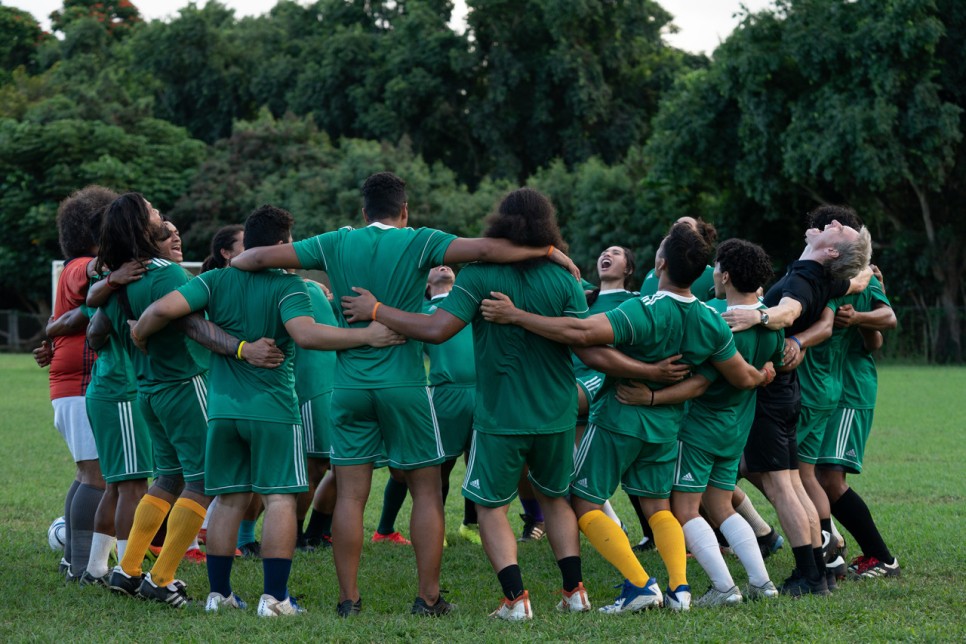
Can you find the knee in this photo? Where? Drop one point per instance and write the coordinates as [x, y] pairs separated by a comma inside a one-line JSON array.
[[170, 484]]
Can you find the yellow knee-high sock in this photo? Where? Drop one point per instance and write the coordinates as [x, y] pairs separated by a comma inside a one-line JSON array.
[[611, 542], [148, 518], [669, 539], [183, 525]]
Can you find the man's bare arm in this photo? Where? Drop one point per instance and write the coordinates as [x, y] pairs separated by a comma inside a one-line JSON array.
[[501, 251], [308, 334], [576, 332], [614, 363], [742, 375], [262, 257], [70, 323], [99, 331], [780, 316], [636, 393], [858, 283], [880, 318]]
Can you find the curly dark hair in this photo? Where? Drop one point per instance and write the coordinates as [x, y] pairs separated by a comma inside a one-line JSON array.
[[79, 220], [526, 217], [747, 264], [824, 215], [383, 196], [267, 226], [224, 239], [127, 233], [688, 250]]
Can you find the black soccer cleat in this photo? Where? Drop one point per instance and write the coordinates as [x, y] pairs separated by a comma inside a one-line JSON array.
[[349, 608], [440, 608]]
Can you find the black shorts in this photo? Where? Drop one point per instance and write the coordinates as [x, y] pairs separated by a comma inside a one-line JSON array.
[[772, 443]]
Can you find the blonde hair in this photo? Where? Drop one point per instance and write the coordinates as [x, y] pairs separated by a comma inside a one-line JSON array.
[[853, 256]]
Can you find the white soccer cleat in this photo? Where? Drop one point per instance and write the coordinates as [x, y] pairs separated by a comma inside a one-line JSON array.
[[678, 599], [217, 601], [268, 606], [715, 597], [635, 598], [768, 591], [516, 611], [576, 601]]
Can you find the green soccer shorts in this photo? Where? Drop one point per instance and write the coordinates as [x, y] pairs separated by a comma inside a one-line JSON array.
[[811, 432], [123, 440], [696, 469], [317, 425], [454, 407], [177, 419], [496, 461], [606, 459], [845, 439], [395, 423], [255, 456]]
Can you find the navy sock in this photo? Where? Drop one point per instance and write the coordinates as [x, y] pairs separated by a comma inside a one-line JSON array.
[[511, 579], [276, 573], [219, 574], [392, 500], [532, 507], [570, 571]]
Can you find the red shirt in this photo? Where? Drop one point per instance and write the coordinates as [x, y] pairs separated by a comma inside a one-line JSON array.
[[70, 368]]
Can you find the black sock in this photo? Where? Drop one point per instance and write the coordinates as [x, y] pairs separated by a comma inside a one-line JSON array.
[[819, 560], [445, 487], [299, 532], [392, 500], [71, 491], [469, 512], [722, 540], [512, 581], [317, 524], [83, 507], [570, 571], [162, 533], [805, 562], [645, 526], [827, 527], [852, 512]]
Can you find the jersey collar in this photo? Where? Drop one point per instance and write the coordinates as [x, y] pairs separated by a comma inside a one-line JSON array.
[[438, 297], [379, 224], [613, 290], [675, 296]]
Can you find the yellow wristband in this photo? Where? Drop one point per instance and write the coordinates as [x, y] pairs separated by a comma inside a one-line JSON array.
[[550, 252], [238, 354], [374, 309]]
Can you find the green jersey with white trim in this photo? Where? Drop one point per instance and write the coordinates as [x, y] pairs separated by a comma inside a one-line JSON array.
[[606, 300], [251, 305], [112, 376], [719, 420], [452, 362], [525, 383], [314, 370], [860, 380], [393, 264], [702, 288], [651, 329], [172, 357]]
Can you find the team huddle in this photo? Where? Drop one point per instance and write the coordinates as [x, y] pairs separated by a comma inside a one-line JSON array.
[[249, 390]]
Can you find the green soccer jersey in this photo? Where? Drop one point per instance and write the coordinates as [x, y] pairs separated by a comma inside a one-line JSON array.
[[392, 263], [719, 420], [525, 383], [251, 305], [819, 374], [112, 377], [651, 329], [703, 287], [452, 362], [860, 381], [606, 300], [314, 370], [171, 357]]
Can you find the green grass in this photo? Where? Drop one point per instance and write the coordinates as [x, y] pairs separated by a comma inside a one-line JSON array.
[[914, 485]]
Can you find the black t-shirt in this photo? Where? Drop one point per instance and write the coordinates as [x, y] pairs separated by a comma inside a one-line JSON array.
[[807, 282]]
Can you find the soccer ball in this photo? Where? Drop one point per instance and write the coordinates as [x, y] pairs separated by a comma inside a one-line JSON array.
[[57, 534]]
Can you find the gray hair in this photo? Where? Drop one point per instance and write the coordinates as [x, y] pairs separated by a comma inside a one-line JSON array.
[[853, 256]]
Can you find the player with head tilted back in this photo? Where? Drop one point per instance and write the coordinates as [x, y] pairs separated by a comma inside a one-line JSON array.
[[633, 445], [380, 402]]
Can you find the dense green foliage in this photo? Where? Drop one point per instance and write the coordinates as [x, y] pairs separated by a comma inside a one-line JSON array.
[[809, 102]]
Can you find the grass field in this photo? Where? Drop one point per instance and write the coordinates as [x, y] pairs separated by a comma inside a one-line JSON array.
[[914, 484]]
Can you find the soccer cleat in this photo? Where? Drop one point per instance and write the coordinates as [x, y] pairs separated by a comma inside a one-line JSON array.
[[635, 598], [174, 594], [644, 545], [770, 543], [203, 536], [576, 601], [440, 608], [768, 591], [87, 579], [195, 555], [217, 601], [63, 567], [71, 578], [152, 553], [872, 568], [715, 597], [471, 533], [797, 585], [678, 599], [830, 581], [268, 606], [319, 543], [251, 550], [349, 608], [393, 537], [517, 610], [836, 559], [533, 530], [124, 584]]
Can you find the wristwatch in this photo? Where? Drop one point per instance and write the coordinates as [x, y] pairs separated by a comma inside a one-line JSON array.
[[764, 318]]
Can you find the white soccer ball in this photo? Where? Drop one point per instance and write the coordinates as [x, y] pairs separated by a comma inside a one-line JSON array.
[[57, 534]]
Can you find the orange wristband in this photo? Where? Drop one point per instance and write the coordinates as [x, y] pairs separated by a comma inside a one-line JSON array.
[[550, 252], [374, 309]]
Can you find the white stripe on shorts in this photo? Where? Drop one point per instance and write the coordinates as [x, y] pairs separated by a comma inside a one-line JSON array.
[[201, 392], [432, 411], [308, 425], [584, 447], [127, 435]]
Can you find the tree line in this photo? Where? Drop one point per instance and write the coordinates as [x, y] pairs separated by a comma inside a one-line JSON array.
[[209, 115]]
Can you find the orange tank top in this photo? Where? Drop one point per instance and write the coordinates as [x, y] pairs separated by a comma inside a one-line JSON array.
[[70, 368]]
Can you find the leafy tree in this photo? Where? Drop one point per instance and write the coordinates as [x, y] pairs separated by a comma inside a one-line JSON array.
[[19, 36], [118, 17]]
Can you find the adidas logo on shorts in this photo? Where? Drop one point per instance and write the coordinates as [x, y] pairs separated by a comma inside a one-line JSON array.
[[582, 482], [851, 452], [475, 483], [688, 478]]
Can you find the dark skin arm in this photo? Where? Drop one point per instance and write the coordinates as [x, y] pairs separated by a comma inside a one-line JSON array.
[[100, 293], [70, 323], [98, 331], [880, 318], [433, 329], [637, 393], [614, 363], [43, 354], [871, 339], [502, 251]]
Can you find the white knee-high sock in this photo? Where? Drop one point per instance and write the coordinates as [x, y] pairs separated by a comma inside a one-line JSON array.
[[704, 546], [744, 544], [608, 509], [101, 546]]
